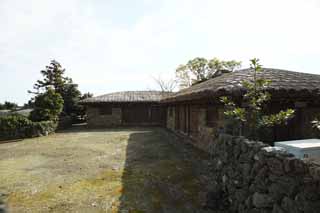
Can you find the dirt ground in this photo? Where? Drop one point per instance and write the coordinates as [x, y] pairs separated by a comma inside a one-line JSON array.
[[105, 170]]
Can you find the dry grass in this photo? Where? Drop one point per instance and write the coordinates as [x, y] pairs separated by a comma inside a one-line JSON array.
[[119, 170]]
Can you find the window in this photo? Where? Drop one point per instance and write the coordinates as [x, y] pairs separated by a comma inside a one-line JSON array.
[[212, 116], [105, 111]]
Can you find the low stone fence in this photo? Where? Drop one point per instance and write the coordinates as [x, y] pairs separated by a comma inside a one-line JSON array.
[[254, 177]]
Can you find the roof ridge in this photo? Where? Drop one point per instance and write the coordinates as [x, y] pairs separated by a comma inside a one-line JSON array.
[[276, 69], [129, 96]]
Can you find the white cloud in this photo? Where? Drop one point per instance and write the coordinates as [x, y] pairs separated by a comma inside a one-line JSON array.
[[118, 45]]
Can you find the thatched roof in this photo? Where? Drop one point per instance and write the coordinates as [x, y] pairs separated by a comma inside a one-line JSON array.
[[127, 97], [284, 84]]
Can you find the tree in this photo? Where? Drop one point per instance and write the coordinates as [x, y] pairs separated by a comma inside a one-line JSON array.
[[71, 97], [29, 105], [200, 69], [48, 106], [86, 95], [82, 109], [166, 85], [256, 97], [8, 106], [54, 78]]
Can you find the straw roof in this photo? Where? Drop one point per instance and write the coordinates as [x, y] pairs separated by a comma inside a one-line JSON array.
[[127, 96], [284, 84]]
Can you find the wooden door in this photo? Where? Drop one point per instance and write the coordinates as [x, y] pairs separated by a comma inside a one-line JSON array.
[[194, 120], [177, 118], [182, 119]]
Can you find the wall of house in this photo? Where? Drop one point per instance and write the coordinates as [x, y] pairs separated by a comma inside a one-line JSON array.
[[250, 176], [308, 115], [207, 133], [201, 134], [170, 118], [125, 115], [95, 119]]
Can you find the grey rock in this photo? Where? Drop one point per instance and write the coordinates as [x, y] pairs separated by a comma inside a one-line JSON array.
[[241, 195], [277, 209], [276, 166], [289, 164], [289, 205], [260, 200], [248, 202]]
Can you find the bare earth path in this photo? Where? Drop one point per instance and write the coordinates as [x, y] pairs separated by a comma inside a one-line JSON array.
[[106, 170]]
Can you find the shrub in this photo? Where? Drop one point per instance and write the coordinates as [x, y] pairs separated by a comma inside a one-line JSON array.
[[254, 116], [18, 126], [48, 106]]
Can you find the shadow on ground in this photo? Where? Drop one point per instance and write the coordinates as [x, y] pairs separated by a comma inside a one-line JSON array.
[[163, 175], [10, 141]]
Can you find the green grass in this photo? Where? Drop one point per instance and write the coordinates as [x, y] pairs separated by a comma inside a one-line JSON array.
[[105, 170]]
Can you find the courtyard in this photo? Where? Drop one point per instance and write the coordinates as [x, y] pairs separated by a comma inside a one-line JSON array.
[[103, 170]]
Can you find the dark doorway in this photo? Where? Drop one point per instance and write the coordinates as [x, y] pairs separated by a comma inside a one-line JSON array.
[[135, 114]]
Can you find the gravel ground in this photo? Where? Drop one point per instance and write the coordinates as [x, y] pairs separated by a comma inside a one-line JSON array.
[[104, 170]]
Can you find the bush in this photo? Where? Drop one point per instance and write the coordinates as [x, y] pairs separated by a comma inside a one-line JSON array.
[[47, 106], [18, 126]]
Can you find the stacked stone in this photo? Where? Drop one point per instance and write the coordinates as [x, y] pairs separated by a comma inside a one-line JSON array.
[[254, 177]]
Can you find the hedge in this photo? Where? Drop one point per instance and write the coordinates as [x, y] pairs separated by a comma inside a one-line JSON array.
[[18, 126]]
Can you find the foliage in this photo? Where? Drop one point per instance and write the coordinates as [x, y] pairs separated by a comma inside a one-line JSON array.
[[54, 77], [29, 105], [71, 97], [19, 126], [8, 106], [86, 95], [48, 106], [316, 123], [256, 97], [201, 69], [13, 121], [82, 109]]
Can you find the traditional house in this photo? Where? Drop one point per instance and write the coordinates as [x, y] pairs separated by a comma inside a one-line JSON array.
[[198, 113], [130, 108]]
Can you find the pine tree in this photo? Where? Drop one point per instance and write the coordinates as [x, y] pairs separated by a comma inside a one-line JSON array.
[[54, 77], [48, 106]]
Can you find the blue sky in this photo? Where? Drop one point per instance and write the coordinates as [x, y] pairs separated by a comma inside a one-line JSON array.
[[114, 45]]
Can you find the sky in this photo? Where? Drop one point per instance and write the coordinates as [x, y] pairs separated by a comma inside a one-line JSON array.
[[118, 45]]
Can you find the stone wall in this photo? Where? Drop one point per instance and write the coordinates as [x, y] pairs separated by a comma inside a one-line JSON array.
[[254, 177], [95, 119]]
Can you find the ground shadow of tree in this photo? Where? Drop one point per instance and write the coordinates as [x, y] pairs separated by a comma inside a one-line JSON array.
[[161, 175]]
